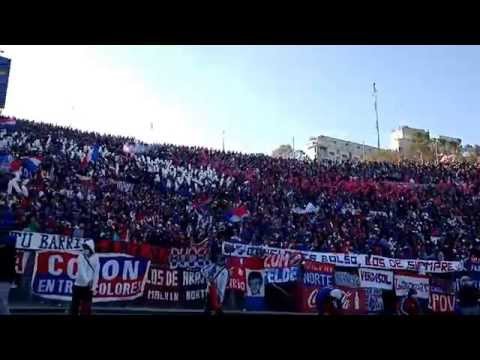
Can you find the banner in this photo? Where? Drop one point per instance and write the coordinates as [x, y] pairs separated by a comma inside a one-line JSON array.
[[255, 283], [175, 287], [242, 250], [193, 257], [21, 261], [343, 260], [403, 283], [281, 275], [255, 290], [378, 279], [38, 241], [442, 286], [346, 279], [374, 300], [236, 267], [441, 303], [120, 277], [429, 266], [318, 274]]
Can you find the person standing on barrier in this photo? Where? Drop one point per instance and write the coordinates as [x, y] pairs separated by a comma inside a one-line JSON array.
[[329, 301], [409, 305], [7, 256], [217, 280], [88, 265], [7, 269]]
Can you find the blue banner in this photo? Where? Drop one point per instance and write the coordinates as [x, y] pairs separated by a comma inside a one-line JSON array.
[[120, 277], [281, 275], [4, 74]]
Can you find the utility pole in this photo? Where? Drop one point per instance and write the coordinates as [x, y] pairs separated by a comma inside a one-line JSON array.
[[376, 114]]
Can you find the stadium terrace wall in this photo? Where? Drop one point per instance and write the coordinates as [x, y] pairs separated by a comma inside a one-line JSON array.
[[285, 280]]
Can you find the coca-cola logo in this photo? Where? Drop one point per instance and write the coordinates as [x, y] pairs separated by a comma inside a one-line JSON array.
[[311, 300], [347, 300]]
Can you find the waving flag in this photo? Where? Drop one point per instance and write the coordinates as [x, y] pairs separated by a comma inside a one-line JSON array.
[[237, 214], [5, 162], [93, 154], [31, 164]]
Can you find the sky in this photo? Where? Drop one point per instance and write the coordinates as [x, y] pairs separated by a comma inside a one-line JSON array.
[[261, 96]]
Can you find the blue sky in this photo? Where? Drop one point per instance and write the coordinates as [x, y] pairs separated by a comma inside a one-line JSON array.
[[260, 95]]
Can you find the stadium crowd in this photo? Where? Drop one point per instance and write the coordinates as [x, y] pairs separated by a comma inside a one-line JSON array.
[[110, 187]]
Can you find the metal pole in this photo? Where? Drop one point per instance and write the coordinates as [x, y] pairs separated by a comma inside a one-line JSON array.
[[293, 146], [376, 114], [223, 140]]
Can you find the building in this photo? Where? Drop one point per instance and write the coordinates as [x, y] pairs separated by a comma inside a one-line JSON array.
[[328, 148], [409, 141], [447, 145], [405, 138]]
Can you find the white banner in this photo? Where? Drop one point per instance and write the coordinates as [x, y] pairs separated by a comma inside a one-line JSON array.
[[255, 283], [348, 260], [378, 279], [242, 250], [38, 241], [403, 283]]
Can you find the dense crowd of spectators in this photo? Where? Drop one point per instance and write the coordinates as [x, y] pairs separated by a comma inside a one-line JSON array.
[[103, 187]]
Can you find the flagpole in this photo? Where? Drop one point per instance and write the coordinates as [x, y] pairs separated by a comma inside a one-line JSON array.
[[376, 114], [223, 140]]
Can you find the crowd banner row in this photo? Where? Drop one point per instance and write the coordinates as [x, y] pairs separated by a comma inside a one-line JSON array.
[[147, 275], [344, 260], [196, 256]]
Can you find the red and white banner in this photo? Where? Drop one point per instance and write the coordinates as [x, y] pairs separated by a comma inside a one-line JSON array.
[[378, 279], [403, 283], [237, 269]]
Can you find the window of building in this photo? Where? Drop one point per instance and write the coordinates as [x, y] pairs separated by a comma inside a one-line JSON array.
[[338, 151], [331, 153]]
